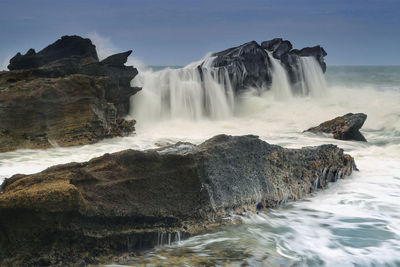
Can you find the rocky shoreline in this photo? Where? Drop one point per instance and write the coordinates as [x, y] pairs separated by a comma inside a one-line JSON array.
[[81, 213], [64, 96], [87, 213]]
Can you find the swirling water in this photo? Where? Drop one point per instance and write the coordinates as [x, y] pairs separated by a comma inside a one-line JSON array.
[[355, 222]]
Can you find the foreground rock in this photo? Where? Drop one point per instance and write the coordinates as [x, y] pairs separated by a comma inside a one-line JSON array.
[[131, 200], [249, 65], [63, 95], [343, 128]]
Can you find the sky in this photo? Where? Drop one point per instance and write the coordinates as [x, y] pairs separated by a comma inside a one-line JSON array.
[[177, 32]]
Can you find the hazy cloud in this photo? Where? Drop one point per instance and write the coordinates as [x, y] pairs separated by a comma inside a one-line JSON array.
[[4, 63], [104, 46]]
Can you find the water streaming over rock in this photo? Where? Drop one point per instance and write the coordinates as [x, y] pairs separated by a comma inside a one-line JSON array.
[[353, 223], [200, 90], [192, 92], [280, 82], [313, 79]]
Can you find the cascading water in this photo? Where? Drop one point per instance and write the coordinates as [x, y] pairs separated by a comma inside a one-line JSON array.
[[280, 82], [200, 90], [191, 93], [313, 79]]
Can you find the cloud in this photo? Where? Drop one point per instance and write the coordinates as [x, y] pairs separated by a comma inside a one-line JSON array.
[[4, 63], [104, 46]]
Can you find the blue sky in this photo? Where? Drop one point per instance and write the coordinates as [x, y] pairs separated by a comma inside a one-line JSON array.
[[172, 32]]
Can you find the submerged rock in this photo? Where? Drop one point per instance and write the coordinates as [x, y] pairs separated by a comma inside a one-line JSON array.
[[80, 213], [63, 95], [343, 128]]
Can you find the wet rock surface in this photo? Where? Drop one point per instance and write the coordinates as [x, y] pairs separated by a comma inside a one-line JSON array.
[[344, 127], [82, 213], [63, 95], [248, 65]]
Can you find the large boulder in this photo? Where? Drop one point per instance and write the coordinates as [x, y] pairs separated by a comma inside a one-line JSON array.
[[63, 95], [344, 127], [248, 65], [82, 213]]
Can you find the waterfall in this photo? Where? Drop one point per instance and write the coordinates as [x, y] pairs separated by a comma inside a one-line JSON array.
[[280, 82], [191, 93], [313, 79]]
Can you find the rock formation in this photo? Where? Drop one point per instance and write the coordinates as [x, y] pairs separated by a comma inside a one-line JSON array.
[[248, 65], [82, 213], [63, 95], [343, 128]]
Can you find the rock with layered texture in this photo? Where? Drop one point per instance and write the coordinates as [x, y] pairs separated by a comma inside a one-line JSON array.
[[345, 127], [63, 95], [44, 112], [82, 213]]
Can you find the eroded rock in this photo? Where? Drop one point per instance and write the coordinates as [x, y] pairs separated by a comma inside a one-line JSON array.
[[343, 128], [63, 95], [132, 200]]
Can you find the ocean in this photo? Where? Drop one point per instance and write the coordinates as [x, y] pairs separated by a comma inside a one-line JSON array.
[[354, 222]]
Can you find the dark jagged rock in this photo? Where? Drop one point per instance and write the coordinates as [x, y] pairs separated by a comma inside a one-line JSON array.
[[45, 83], [316, 51], [278, 46], [82, 213], [343, 128], [248, 65], [117, 59], [67, 46], [119, 89]]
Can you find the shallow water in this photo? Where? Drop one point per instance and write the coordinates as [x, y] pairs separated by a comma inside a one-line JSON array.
[[355, 222]]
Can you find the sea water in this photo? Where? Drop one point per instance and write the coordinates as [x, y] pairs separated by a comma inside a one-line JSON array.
[[355, 222]]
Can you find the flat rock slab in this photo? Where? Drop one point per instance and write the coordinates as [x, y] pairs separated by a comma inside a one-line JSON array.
[[343, 128], [80, 213]]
